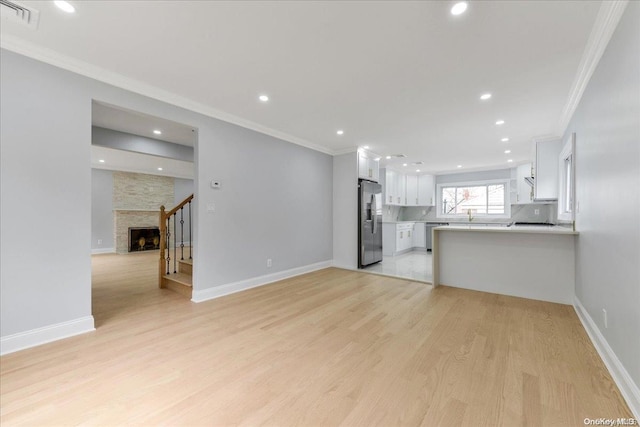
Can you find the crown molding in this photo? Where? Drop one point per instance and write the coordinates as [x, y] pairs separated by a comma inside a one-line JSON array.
[[546, 138], [606, 22], [344, 151], [49, 56]]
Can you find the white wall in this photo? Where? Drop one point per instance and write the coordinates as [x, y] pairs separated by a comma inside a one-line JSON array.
[[276, 198], [607, 127], [345, 210], [102, 211], [45, 220]]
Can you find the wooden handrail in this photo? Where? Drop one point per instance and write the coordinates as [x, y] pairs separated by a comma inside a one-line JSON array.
[[177, 208], [163, 236]]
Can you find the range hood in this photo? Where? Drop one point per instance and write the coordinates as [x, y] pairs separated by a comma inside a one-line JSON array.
[[530, 180]]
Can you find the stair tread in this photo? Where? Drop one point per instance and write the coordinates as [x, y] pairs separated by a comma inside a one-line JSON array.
[[185, 279]]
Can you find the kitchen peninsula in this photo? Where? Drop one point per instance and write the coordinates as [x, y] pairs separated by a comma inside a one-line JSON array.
[[522, 261]]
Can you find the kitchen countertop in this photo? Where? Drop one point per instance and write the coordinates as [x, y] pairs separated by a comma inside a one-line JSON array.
[[513, 229], [418, 220]]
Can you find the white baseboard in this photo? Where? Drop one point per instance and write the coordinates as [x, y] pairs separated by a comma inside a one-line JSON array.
[[231, 288], [345, 266], [628, 388], [34, 337], [103, 251]]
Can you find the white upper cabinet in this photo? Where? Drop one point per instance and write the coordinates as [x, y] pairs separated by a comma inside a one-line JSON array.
[[401, 189], [524, 191], [546, 176], [426, 190], [390, 187], [411, 191], [368, 166]]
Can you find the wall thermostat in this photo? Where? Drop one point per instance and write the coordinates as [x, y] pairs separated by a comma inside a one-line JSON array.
[[215, 184]]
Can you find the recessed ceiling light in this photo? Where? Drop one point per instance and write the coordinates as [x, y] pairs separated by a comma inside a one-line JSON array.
[[417, 170], [377, 159], [504, 139], [485, 96], [459, 8], [157, 132], [263, 98], [159, 169], [507, 151], [500, 122], [366, 147], [340, 132], [101, 160], [459, 166], [64, 6], [510, 161], [388, 157], [404, 164]]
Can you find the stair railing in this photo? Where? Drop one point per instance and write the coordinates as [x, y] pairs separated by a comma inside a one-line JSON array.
[[166, 220]]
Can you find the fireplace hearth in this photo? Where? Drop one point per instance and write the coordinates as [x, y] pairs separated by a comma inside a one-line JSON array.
[[144, 238]]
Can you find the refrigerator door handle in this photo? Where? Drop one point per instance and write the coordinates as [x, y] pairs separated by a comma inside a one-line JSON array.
[[374, 216]]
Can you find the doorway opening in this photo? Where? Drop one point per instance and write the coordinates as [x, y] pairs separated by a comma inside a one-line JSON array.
[[139, 163]]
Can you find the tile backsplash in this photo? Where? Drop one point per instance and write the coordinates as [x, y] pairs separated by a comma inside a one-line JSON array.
[[519, 213], [391, 213]]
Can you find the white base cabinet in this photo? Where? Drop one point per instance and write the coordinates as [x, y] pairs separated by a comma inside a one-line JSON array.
[[402, 237], [419, 235]]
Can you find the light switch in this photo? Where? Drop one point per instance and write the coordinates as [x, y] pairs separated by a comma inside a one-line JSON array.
[[211, 207]]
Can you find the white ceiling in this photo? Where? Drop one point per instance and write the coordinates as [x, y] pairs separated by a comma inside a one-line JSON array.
[[115, 118], [401, 77]]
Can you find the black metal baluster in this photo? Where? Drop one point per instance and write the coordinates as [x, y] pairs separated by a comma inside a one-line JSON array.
[[181, 234], [168, 243], [190, 238], [175, 245]]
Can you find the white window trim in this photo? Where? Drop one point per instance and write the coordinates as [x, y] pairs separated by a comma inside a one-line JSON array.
[[568, 150], [507, 198]]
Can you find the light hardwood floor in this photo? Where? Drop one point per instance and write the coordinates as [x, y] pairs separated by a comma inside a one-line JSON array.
[[333, 347]]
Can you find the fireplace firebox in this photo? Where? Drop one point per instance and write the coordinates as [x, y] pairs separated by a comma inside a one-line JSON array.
[[144, 238]]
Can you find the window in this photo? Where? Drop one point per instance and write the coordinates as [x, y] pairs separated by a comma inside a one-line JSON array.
[[567, 168], [479, 199]]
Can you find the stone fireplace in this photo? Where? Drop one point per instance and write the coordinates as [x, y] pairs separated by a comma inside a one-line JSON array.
[[144, 238], [136, 204]]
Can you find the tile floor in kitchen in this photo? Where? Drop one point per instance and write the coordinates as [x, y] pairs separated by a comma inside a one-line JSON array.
[[412, 265]]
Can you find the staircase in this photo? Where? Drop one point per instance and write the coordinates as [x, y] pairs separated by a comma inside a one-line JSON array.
[[176, 259], [181, 281]]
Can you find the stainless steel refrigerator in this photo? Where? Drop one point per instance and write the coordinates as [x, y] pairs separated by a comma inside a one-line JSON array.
[[370, 221]]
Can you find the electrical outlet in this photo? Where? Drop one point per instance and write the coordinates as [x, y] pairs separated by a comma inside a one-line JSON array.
[[604, 318], [424, 211], [211, 207], [269, 262], [99, 241], [536, 211]]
